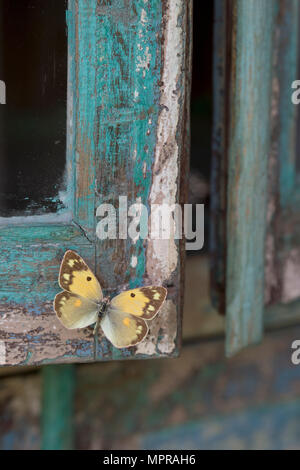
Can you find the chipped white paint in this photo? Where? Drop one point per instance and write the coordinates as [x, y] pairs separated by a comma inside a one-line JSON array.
[[144, 62], [163, 255], [164, 325], [2, 353], [134, 155], [143, 16], [167, 342], [134, 261], [148, 346], [144, 169]]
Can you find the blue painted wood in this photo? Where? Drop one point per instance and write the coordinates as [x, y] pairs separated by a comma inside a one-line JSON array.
[[30, 256], [283, 221], [286, 72], [121, 123], [249, 140], [57, 426], [121, 46]]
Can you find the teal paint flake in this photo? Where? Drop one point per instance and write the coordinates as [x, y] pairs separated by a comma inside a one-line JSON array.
[[27, 359]]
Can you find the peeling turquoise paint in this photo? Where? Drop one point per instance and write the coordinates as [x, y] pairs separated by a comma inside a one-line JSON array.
[[28, 357], [127, 112]]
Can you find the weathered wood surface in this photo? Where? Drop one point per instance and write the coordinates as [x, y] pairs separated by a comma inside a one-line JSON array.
[[207, 401], [200, 320], [247, 172], [282, 244], [127, 111], [245, 77], [281, 223]]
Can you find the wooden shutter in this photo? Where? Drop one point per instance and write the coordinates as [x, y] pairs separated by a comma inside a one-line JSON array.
[[255, 223]]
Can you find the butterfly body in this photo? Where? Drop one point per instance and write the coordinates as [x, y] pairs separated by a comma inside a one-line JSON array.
[[121, 318], [102, 306]]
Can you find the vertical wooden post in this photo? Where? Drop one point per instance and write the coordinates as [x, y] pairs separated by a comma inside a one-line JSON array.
[[248, 150], [287, 71], [57, 407]]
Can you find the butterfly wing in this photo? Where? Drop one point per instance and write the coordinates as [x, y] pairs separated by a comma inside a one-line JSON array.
[[74, 311], [122, 329], [76, 277], [143, 302]]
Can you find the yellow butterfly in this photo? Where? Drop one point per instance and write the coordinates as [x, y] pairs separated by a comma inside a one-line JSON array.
[[81, 304]]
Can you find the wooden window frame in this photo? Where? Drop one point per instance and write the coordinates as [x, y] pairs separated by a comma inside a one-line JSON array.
[[115, 145]]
